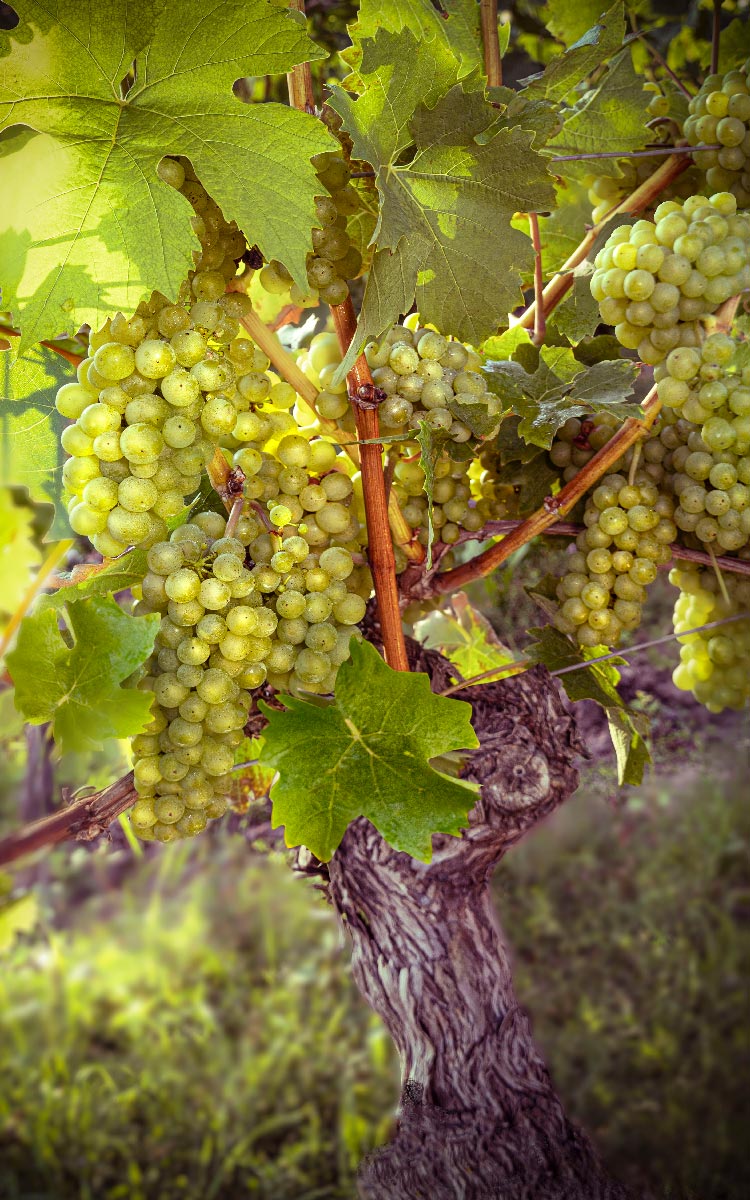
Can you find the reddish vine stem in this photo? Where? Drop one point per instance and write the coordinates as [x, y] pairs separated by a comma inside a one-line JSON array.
[[82, 820], [556, 506], [380, 546], [562, 282], [72, 358], [540, 320], [493, 63]]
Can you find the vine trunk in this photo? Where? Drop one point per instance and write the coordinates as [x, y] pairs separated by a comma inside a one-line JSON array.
[[479, 1118]]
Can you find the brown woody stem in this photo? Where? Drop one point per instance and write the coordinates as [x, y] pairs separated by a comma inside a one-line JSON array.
[[299, 79], [82, 820], [557, 506], [493, 63], [380, 547]]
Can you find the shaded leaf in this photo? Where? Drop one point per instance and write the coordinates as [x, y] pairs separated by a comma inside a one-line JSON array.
[[73, 679], [30, 427]]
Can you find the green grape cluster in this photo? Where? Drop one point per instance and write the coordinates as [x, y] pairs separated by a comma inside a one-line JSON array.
[[238, 610], [429, 378], [628, 534], [334, 260], [460, 504], [715, 663], [578, 440], [720, 115], [656, 280], [709, 470], [157, 391]]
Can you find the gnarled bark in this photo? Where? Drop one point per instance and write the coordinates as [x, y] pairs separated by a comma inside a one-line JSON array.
[[479, 1118]]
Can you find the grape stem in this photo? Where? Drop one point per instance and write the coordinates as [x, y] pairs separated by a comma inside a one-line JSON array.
[[540, 321], [525, 664], [299, 79], [380, 546], [493, 63], [234, 515], [73, 358], [657, 57], [283, 362], [554, 506], [652, 152], [562, 282]]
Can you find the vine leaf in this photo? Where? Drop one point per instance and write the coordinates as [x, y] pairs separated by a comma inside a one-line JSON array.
[[368, 755], [559, 389], [90, 227], [72, 677], [99, 580], [454, 32], [593, 48], [598, 682], [30, 427], [19, 554], [613, 118], [446, 173], [464, 636]]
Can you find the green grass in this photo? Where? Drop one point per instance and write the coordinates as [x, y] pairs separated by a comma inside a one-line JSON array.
[[631, 938], [197, 1038], [195, 1033]]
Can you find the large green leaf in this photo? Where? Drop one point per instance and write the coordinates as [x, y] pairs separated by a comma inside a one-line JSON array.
[[30, 426], [89, 226], [447, 177], [74, 680], [368, 755]]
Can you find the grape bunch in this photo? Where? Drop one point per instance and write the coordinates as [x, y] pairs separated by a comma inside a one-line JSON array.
[[334, 260], [431, 378], [714, 663], [656, 280], [578, 440], [157, 391], [709, 470], [238, 610], [720, 115], [628, 534]]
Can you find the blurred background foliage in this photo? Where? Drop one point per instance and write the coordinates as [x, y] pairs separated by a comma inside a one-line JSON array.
[[184, 1024]]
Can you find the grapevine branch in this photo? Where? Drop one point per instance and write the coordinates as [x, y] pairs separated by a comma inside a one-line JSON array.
[[73, 358], [562, 282], [380, 546], [283, 362], [493, 63], [82, 820], [556, 506]]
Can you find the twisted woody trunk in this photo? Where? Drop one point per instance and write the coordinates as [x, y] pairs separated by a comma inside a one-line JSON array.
[[478, 1117]]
